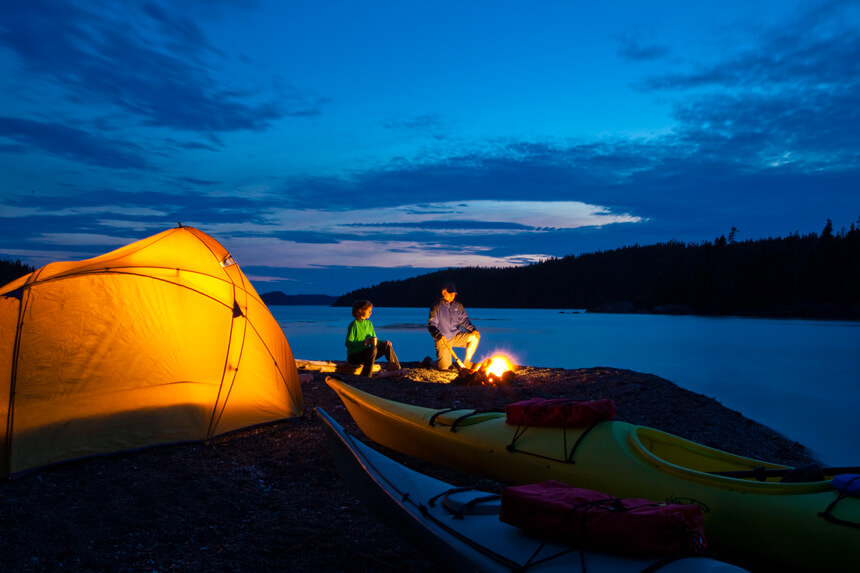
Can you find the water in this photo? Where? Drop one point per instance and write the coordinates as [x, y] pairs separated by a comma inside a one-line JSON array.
[[800, 377]]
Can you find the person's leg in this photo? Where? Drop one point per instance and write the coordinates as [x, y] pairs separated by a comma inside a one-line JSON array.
[[471, 347], [443, 356], [364, 357], [356, 358], [367, 370], [469, 341], [388, 349]]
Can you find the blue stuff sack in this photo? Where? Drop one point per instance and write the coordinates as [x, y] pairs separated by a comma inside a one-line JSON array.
[[847, 484]]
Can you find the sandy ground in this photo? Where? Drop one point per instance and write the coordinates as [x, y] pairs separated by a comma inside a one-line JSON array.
[[269, 499]]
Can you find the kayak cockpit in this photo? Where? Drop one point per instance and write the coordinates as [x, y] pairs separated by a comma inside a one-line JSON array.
[[677, 455]]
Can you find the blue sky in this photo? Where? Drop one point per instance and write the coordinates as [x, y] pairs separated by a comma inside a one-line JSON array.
[[334, 145]]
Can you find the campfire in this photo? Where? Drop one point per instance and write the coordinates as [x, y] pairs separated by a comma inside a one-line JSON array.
[[493, 371]]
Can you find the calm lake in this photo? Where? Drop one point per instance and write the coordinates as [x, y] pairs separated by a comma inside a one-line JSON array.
[[800, 377]]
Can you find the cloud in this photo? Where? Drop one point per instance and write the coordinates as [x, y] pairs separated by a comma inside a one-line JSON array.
[[272, 253], [80, 239], [198, 182], [504, 170], [71, 143], [443, 226], [41, 257], [25, 217], [426, 125], [426, 235], [255, 278], [793, 99], [149, 61], [636, 50], [468, 217]]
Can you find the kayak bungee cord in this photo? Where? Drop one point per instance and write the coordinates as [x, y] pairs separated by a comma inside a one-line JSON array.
[[532, 412], [567, 458], [465, 417], [850, 488], [466, 508], [518, 433], [439, 413], [462, 418], [470, 505]]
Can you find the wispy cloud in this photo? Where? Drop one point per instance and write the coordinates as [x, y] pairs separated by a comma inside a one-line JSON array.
[[432, 233], [426, 125], [466, 217], [71, 143], [272, 253], [91, 240], [791, 100], [638, 50], [147, 60]]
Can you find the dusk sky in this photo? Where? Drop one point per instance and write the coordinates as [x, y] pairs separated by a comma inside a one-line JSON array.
[[331, 145]]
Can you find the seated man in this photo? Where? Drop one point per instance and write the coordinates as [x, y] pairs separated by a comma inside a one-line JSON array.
[[449, 325]]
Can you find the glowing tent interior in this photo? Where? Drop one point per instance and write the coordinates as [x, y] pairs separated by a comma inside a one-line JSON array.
[[163, 340]]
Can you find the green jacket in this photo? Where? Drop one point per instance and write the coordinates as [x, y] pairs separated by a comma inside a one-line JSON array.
[[356, 333]]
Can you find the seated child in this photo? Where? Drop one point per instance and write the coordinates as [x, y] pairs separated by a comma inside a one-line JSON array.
[[362, 346]]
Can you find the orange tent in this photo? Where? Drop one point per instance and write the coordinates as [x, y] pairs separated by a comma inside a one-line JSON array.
[[164, 340]]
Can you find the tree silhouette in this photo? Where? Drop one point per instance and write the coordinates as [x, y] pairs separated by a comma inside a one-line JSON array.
[[11, 270], [802, 276]]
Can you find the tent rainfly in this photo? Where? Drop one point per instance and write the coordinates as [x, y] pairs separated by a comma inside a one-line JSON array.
[[161, 341]]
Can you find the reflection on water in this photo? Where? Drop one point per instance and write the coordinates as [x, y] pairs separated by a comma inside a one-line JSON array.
[[800, 377]]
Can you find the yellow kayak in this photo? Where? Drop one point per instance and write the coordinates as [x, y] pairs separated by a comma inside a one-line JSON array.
[[763, 524]]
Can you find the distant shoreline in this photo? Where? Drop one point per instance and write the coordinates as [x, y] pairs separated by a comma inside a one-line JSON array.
[[278, 298]]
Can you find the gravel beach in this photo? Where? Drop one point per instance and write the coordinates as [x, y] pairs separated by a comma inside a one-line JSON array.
[[269, 499]]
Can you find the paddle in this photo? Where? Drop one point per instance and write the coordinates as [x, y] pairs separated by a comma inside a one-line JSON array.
[[761, 473]]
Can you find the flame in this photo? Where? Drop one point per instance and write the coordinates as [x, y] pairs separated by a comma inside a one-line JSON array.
[[498, 365]]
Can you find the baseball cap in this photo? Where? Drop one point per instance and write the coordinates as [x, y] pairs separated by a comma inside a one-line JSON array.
[[450, 287]]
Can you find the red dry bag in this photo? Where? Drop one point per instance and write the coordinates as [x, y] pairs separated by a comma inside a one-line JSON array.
[[559, 412], [594, 520]]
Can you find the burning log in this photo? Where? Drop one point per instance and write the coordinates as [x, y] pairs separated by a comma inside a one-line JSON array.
[[494, 371]]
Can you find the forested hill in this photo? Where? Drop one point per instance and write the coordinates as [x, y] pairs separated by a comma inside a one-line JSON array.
[[11, 270], [813, 276]]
